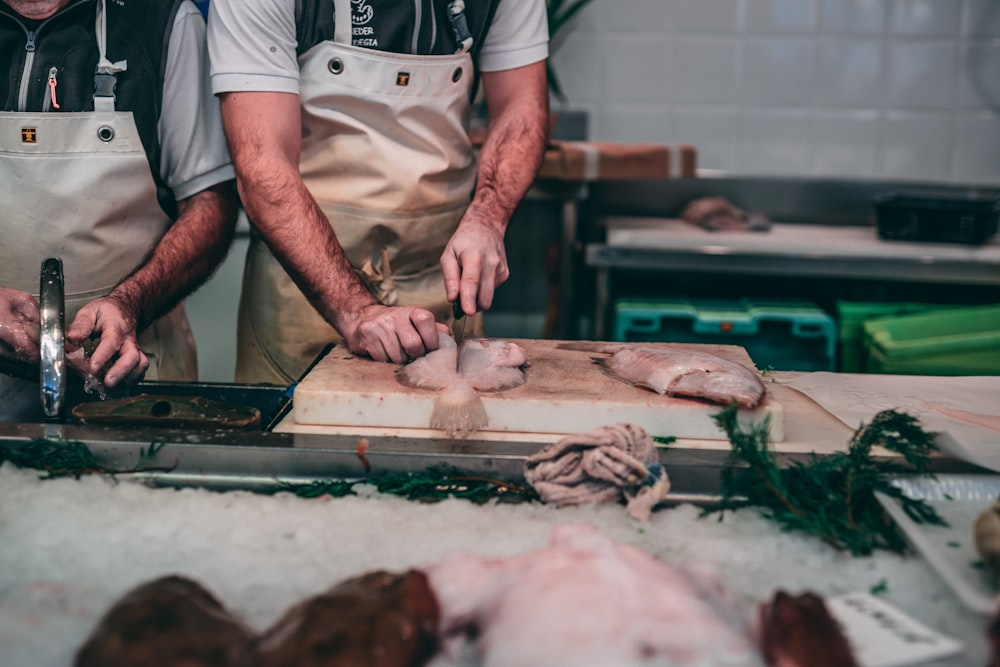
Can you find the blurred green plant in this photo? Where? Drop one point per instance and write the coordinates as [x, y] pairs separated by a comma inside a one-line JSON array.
[[560, 13]]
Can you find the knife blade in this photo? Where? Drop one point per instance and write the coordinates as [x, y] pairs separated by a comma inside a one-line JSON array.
[[458, 323], [52, 340]]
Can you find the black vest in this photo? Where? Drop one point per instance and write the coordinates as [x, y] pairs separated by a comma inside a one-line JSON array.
[[138, 32], [393, 26]]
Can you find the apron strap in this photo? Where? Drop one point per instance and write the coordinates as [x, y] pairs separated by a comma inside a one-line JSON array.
[[105, 80], [456, 15], [342, 29]]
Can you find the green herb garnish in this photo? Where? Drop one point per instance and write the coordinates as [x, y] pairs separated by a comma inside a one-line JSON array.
[[833, 496]]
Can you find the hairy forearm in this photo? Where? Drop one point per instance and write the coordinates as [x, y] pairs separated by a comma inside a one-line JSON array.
[[265, 147], [511, 156], [185, 257], [508, 164], [302, 240]]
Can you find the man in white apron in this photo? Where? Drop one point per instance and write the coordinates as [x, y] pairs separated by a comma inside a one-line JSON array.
[[347, 121], [112, 158]]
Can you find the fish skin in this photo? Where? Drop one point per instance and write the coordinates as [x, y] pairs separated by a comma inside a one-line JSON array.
[[482, 364], [678, 372]]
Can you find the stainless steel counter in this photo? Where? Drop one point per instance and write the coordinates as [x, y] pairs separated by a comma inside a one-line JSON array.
[[265, 460], [791, 250], [225, 460], [822, 229]]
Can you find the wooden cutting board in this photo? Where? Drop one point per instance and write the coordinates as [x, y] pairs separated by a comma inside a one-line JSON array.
[[565, 393]]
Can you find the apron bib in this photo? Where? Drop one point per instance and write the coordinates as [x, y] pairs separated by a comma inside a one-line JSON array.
[[78, 187], [386, 156]]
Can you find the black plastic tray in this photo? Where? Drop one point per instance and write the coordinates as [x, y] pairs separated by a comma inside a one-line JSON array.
[[936, 219]]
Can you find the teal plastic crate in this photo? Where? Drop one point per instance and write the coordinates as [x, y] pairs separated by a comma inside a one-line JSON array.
[[781, 335], [953, 341]]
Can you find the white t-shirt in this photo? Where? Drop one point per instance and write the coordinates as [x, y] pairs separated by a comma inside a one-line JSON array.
[[194, 151], [252, 43]]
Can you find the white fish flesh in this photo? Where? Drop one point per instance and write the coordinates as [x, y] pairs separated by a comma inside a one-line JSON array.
[[588, 601], [482, 365], [676, 371]]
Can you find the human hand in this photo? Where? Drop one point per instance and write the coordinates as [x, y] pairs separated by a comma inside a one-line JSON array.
[[117, 356], [393, 333], [19, 325], [474, 263]]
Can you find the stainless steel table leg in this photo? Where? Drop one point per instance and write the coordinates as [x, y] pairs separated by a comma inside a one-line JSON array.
[[566, 321], [601, 303]]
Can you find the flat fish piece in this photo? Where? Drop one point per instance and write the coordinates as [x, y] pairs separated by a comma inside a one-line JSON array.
[[586, 601], [679, 372], [486, 364], [482, 364], [492, 364]]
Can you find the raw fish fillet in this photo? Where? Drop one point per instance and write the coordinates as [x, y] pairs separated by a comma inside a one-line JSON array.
[[482, 364], [679, 372], [587, 601]]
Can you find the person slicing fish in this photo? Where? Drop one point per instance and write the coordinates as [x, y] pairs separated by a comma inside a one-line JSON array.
[[347, 124], [112, 158]]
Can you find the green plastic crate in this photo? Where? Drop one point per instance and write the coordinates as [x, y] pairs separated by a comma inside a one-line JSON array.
[[851, 317], [954, 341], [782, 335]]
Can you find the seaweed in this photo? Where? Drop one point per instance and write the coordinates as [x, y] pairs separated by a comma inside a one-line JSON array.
[[435, 484], [830, 496], [69, 458]]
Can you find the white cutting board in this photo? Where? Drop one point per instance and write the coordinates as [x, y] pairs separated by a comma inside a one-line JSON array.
[[962, 412], [565, 393]]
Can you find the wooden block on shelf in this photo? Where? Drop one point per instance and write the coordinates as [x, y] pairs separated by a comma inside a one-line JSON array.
[[597, 160]]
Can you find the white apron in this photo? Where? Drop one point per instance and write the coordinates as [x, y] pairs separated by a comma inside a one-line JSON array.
[[386, 155], [78, 186]]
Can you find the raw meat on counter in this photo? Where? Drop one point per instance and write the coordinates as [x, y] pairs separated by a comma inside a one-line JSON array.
[[376, 620], [172, 622], [482, 365], [585, 601], [582, 601], [678, 371], [717, 214]]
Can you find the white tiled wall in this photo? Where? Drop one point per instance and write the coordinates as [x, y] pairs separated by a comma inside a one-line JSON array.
[[857, 88]]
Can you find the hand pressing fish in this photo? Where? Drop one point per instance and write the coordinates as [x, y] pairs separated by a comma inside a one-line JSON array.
[[459, 374], [676, 371]]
